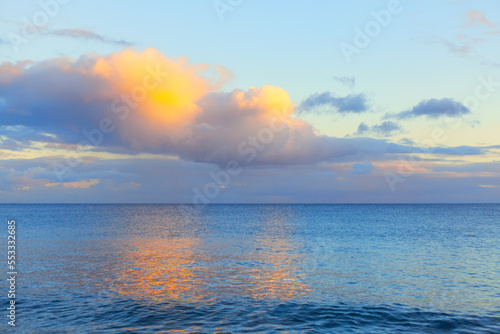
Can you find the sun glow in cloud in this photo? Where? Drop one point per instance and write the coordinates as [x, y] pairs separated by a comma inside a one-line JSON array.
[[162, 90]]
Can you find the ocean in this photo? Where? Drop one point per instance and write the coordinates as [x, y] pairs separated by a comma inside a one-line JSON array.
[[155, 268]]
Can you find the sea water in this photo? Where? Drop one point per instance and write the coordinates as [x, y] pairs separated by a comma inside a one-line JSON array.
[[139, 268]]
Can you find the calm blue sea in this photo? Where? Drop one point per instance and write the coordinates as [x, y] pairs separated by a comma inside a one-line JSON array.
[[255, 268]]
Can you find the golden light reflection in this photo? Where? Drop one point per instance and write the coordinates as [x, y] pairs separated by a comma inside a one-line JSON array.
[[160, 268], [191, 270]]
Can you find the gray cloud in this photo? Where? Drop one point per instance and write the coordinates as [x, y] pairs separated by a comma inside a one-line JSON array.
[[350, 81], [462, 49], [173, 180], [19, 138], [406, 141], [89, 35], [362, 168], [326, 102], [459, 150], [434, 108], [384, 129]]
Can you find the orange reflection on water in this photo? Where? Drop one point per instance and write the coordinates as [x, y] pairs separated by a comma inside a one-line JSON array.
[[161, 268], [183, 268], [216, 265]]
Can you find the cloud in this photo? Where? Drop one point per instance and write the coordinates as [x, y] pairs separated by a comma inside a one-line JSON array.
[[434, 108], [384, 129], [476, 17], [463, 45], [154, 180], [89, 35], [362, 168], [459, 150], [326, 102], [350, 82], [491, 186], [362, 129], [7, 21], [406, 141], [21, 135], [84, 184], [131, 102], [461, 49]]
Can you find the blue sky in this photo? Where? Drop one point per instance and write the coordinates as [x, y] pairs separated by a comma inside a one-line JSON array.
[[412, 116]]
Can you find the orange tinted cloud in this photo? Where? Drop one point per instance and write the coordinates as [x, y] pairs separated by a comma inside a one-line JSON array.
[[153, 104], [403, 166], [474, 17], [162, 90], [84, 184]]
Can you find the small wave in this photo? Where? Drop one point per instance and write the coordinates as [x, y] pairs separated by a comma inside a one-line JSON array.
[[244, 316]]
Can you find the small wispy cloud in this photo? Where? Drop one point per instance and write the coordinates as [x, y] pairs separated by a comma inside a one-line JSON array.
[[463, 45], [462, 48], [4, 20], [475, 17], [89, 35], [326, 102], [345, 80]]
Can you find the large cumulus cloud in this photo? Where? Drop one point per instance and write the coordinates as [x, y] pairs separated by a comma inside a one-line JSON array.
[[146, 102]]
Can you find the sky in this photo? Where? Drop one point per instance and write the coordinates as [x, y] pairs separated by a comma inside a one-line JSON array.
[[236, 101]]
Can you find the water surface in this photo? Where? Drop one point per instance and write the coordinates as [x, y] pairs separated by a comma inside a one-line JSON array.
[[257, 268]]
